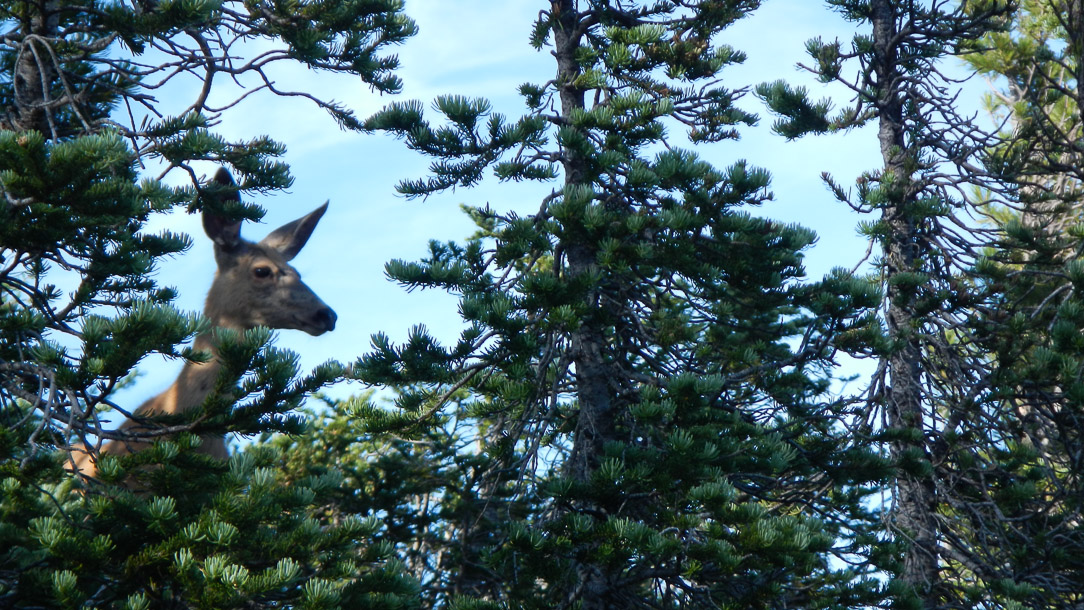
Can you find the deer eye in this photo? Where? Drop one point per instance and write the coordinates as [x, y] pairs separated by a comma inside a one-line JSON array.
[[261, 271]]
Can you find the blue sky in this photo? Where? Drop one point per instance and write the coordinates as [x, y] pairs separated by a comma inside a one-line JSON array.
[[479, 48]]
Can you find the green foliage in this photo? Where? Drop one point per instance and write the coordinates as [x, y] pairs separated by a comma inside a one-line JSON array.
[[645, 369], [424, 485], [643, 409], [1031, 329], [80, 306], [931, 387], [803, 117], [212, 535]]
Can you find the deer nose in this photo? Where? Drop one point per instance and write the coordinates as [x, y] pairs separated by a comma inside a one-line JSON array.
[[326, 317]]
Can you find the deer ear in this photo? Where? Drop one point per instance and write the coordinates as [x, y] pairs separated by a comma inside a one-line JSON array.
[[291, 237], [225, 233], [224, 177]]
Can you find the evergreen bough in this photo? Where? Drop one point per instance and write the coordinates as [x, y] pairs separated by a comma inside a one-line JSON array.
[[645, 370], [79, 308]]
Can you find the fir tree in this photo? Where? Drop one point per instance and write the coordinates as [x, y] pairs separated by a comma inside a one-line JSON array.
[[428, 487], [80, 117], [646, 369], [933, 378], [1033, 479]]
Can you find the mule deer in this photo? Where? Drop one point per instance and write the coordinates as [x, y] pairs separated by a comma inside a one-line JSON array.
[[254, 285]]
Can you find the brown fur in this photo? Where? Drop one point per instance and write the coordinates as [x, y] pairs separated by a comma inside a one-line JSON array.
[[254, 285]]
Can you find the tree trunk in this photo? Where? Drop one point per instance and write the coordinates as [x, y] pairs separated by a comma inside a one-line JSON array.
[[595, 425], [915, 499], [34, 71]]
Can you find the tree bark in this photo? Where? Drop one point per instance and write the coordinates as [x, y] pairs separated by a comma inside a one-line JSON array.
[[915, 497], [34, 73], [595, 425]]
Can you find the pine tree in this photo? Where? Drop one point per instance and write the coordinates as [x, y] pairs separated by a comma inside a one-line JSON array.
[[426, 487], [1033, 479], [933, 378], [646, 371], [79, 308]]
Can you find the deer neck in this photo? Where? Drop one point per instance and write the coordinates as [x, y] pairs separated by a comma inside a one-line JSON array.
[[196, 381]]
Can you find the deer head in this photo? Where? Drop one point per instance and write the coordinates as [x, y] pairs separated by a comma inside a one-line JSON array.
[[255, 284]]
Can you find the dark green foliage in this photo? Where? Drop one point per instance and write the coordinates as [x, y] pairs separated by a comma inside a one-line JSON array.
[[214, 535], [166, 527], [1031, 329], [939, 388], [428, 490], [801, 116], [643, 410], [645, 366]]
